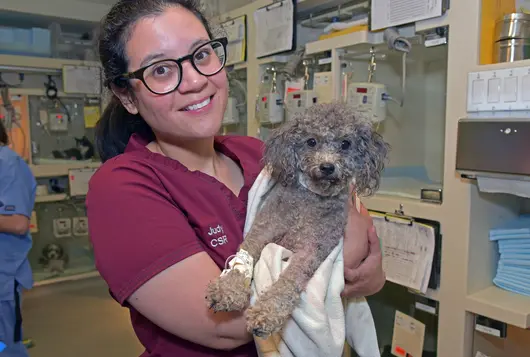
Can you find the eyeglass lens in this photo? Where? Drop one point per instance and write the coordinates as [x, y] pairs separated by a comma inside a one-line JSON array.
[[163, 77]]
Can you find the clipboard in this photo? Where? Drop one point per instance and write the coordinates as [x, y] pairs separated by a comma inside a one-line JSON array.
[[275, 28], [236, 33], [398, 218]]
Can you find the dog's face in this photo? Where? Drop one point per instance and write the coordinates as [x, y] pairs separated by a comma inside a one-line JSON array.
[[325, 149], [324, 160], [52, 251]]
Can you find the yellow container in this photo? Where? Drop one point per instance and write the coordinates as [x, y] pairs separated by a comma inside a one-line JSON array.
[[344, 32], [492, 10]]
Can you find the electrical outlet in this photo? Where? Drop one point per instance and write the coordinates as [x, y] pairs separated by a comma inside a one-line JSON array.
[[80, 226], [62, 227]]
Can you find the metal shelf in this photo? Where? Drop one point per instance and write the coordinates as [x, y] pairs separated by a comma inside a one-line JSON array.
[[12, 63], [60, 169]]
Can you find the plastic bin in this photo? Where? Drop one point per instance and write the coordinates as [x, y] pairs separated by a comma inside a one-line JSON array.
[[27, 42], [70, 45]]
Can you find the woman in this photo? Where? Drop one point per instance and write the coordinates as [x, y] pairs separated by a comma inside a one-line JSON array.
[[168, 206], [17, 197]]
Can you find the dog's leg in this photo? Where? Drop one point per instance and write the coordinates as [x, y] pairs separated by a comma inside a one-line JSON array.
[[275, 306], [231, 292], [265, 229]]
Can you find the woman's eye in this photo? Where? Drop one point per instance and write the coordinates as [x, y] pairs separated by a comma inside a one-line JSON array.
[[345, 145], [202, 55], [160, 71], [311, 142]]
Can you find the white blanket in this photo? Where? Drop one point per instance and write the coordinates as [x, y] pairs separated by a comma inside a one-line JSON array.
[[321, 324]]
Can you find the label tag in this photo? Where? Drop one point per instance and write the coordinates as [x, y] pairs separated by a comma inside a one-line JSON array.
[[408, 337]]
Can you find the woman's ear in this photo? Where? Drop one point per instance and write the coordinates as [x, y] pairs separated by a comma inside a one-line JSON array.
[[125, 98]]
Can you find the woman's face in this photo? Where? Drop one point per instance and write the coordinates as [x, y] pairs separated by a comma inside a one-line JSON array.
[[171, 35]]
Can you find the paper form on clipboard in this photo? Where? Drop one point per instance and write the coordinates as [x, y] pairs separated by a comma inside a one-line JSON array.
[[408, 250], [236, 33], [388, 13], [82, 79], [274, 28]]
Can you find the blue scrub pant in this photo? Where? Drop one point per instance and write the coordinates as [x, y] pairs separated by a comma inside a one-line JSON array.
[[11, 328]]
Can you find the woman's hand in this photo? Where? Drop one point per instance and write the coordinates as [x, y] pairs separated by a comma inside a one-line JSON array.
[[363, 260]]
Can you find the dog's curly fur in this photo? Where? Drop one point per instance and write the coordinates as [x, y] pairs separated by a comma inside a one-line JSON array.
[[313, 158]]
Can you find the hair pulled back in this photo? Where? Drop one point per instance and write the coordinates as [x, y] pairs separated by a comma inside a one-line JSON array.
[[4, 138], [116, 124]]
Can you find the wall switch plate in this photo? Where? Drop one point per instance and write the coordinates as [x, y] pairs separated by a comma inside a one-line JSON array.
[[62, 227], [80, 226], [499, 90]]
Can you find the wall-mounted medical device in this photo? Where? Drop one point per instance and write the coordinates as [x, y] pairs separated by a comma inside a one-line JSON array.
[[298, 101], [323, 86], [231, 115], [237, 98], [269, 105], [368, 99], [270, 108]]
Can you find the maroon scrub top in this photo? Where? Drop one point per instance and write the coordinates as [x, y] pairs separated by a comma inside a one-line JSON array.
[[147, 212]]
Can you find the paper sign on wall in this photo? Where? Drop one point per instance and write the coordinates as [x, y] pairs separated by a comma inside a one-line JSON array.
[[236, 33], [408, 337], [91, 115]]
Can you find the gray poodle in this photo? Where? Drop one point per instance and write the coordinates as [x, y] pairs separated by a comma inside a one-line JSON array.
[[314, 158]]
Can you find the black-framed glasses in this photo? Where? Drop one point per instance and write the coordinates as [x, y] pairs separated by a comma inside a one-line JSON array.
[[165, 76]]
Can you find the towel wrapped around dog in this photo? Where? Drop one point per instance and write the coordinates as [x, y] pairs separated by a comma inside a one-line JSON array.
[[323, 322]]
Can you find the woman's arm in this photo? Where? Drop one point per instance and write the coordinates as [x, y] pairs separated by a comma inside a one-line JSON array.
[[174, 300], [16, 224], [150, 257], [17, 195]]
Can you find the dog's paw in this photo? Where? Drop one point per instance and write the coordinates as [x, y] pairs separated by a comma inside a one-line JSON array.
[[266, 317], [230, 292]]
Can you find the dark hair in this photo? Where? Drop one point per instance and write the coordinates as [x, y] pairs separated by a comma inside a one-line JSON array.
[[4, 139], [116, 125]]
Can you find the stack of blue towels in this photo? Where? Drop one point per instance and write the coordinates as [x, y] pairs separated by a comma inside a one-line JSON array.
[[513, 271]]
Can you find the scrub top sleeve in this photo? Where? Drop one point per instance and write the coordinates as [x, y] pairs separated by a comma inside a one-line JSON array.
[[15, 196], [135, 228]]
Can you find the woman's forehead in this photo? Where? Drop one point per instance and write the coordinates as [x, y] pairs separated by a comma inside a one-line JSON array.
[[171, 34]]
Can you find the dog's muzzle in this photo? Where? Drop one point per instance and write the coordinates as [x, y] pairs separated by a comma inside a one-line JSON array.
[[327, 169]]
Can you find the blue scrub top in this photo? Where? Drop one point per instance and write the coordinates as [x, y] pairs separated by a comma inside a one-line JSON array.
[[17, 196]]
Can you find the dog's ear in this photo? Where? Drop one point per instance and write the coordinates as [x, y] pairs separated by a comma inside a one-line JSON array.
[[280, 156], [370, 156]]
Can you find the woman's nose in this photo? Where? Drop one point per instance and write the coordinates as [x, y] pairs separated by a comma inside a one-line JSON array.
[[192, 81]]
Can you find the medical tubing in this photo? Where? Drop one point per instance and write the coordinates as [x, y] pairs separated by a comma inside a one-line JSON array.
[[396, 42]]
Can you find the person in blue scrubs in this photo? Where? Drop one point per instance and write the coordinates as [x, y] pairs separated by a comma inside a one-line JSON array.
[[17, 197]]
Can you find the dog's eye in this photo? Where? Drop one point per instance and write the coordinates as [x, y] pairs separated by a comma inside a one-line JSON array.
[[311, 142], [345, 145]]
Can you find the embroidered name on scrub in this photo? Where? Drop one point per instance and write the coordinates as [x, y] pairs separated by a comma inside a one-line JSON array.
[[219, 238]]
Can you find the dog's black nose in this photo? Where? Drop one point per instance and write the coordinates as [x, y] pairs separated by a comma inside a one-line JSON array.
[[327, 169]]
